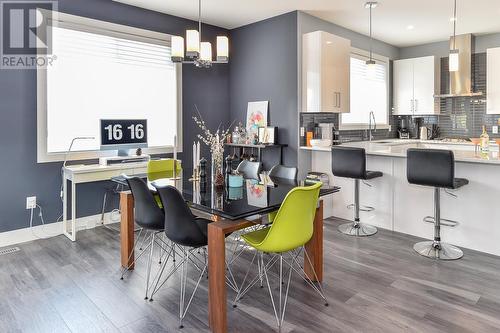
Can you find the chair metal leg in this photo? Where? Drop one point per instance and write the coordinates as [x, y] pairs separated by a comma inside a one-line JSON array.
[[149, 263], [436, 249], [357, 228]]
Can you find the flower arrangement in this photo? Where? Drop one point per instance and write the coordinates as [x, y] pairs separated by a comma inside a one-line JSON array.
[[215, 141]]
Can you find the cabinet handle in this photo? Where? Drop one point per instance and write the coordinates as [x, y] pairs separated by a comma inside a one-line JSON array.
[[416, 105], [411, 105], [340, 98]]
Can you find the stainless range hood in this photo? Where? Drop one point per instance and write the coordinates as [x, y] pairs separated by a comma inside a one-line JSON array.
[[461, 80]]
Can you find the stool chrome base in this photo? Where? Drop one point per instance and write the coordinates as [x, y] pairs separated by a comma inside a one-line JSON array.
[[438, 250], [357, 229]]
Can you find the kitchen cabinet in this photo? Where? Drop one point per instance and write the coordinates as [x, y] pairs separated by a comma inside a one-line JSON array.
[[493, 80], [416, 81], [325, 72]]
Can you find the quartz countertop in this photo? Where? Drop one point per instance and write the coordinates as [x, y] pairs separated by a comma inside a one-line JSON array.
[[463, 151]]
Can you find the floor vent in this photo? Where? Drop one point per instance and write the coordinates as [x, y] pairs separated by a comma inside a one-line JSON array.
[[9, 250]]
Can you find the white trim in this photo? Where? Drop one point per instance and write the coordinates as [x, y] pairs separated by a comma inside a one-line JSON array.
[[362, 54], [113, 29], [50, 230]]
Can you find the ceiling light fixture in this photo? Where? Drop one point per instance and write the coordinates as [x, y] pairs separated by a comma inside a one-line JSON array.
[[370, 62], [197, 52], [453, 61], [410, 27]]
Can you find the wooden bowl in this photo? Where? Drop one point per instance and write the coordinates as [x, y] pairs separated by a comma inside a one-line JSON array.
[[475, 141]]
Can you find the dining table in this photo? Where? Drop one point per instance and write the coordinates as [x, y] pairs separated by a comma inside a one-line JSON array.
[[231, 209]]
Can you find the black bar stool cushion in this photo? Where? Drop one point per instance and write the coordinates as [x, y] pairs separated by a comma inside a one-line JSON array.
[[147, 213], [350, 162], [432, 167]]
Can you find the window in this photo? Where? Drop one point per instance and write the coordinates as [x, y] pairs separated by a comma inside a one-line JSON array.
[[104, 71], [368, 92]]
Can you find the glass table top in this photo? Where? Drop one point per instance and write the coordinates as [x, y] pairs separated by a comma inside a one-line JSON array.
[[233, 203]]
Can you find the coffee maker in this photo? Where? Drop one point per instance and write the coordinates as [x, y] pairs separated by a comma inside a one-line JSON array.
[[404, 130]]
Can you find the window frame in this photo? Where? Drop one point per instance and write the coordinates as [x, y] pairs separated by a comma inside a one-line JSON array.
[[365, 55], [112, 29]]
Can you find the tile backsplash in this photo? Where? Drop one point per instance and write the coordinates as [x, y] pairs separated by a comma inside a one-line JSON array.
[[460, 117]]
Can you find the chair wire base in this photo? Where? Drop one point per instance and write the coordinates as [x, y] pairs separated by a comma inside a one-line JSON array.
[[279, 303], [438, 250], [357, 229]]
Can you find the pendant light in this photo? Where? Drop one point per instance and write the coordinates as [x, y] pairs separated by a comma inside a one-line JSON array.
[[370, 63], [197, 52], [453, 61]]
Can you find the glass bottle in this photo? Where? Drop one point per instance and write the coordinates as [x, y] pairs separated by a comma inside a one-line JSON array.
[[484, 141]]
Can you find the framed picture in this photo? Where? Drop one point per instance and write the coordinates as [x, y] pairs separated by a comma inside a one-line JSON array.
[[268, 135], [256, 117]]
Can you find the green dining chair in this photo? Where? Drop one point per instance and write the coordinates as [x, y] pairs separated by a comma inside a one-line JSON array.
[[292, 228], [162, 168]]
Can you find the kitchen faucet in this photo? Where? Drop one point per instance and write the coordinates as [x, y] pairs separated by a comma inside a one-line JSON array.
[[371, 116]]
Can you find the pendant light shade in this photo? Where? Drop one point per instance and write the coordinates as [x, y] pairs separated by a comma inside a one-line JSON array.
[[370, 63], [197, 52], [206, 51], [453, 60], [192, 43], [222, 48], [177, 48]]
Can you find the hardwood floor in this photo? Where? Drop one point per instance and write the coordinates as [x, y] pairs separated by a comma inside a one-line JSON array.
[[374, 284]]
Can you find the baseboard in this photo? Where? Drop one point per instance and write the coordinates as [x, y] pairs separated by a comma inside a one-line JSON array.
[[18, 236]]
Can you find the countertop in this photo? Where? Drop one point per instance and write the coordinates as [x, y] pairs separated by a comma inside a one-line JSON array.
[[463, 151]]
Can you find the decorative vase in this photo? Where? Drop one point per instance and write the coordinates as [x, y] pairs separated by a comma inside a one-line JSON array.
[[217, 171]]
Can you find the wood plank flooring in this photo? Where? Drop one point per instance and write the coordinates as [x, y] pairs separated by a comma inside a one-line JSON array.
[[374, 284]]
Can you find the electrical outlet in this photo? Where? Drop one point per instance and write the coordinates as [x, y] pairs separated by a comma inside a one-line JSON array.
[[30, 202], [494, 129]]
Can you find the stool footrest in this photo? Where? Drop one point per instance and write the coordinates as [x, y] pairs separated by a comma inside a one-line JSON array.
[[444, 222], [362, 208]]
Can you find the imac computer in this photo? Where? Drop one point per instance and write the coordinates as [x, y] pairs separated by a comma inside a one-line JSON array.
[[123, 135]]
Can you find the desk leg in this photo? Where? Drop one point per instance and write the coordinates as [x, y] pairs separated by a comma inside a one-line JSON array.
[[217, 312], [127, 229], [73, 211], [65, 207], [315, 247]]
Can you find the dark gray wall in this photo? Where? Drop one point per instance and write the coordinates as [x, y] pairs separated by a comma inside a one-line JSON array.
[[264, 67], [21, 176]]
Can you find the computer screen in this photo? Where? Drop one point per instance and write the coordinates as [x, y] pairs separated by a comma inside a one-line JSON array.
[[123, 134]]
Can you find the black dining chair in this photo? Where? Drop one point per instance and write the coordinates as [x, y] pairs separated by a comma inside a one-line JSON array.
[[250, 170], [149, 217], [188, 234], [283, 172]]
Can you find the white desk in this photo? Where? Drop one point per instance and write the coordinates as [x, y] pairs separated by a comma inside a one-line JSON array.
[[78, 174]]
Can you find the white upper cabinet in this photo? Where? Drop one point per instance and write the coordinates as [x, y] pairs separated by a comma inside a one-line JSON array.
[[493, 81], [416, 81], [325, 72]]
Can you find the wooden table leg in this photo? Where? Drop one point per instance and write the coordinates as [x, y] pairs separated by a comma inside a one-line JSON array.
[[314, 248], [127, 229], [217, 312]]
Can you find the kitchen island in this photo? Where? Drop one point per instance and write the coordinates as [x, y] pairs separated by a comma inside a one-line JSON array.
[[400, 206]]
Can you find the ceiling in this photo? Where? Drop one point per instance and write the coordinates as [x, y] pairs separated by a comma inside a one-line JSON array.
[[397, 22]]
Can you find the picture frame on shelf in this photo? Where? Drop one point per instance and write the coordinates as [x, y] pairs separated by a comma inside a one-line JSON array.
[[268, 135]]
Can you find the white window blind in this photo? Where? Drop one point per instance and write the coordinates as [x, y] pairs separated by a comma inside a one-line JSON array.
[[99, 75], [368, 92]]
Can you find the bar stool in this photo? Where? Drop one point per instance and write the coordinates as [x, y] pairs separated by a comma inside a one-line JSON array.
[[350, 162], [436, 168]]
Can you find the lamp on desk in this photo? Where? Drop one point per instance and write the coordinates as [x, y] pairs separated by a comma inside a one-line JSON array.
[[66, 158], [71, 146]]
